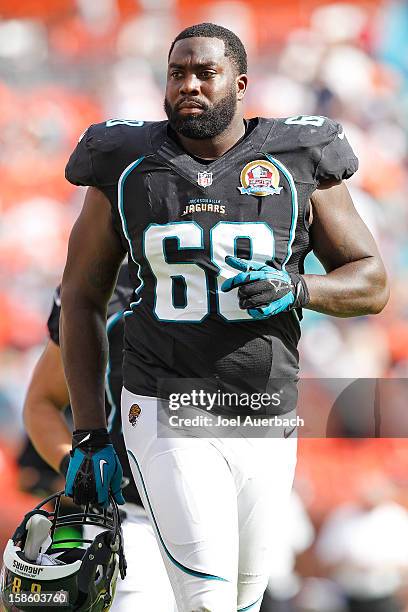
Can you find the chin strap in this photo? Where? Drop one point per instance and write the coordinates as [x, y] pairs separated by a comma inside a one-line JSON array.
[[38, 538], [20, 534]]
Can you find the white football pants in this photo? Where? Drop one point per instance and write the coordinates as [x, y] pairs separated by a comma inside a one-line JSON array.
[[215, 504]]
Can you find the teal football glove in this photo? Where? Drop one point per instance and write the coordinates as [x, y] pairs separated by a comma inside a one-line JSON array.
[[94, 468], [263, 290]]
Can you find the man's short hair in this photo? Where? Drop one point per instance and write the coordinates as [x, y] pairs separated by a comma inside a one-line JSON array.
[[233, 45]]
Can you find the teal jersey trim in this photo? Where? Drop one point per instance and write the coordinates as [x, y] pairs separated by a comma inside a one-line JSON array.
[[121, 183], [111, 322], [251, 605], [295, 207], [183, 568]]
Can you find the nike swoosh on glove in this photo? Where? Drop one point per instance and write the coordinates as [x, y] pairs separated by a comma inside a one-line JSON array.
[[263, 290], [94, 468]]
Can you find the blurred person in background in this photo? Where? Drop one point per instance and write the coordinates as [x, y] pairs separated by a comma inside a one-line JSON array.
[[284, 583], [146, 585], [362, 547], [36, 475]]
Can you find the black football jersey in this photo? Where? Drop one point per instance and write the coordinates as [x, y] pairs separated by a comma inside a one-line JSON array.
[[118, 304], [178, 218]]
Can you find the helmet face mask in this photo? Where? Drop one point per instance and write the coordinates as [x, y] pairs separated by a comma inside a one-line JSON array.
[[87, 573]]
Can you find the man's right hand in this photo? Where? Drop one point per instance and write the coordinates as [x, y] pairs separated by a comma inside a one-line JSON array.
[[94, 468]]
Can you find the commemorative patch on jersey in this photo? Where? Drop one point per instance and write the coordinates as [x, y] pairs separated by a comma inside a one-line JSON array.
[[134, 414], [259, 178], [205, 179]]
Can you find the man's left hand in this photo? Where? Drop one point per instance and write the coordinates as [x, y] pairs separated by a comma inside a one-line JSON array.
[[263, 290], [94, 468]]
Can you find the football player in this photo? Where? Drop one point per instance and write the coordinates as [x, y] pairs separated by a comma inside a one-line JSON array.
[[146, 586], [216, 215]]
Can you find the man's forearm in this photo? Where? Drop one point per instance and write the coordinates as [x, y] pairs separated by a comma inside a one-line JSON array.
[[47, 430], [84, 349], [356, 288]]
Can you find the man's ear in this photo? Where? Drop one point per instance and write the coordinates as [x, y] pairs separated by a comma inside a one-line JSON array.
[[242, 83]]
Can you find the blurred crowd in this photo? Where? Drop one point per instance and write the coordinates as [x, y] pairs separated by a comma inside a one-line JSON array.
[[66, 64]]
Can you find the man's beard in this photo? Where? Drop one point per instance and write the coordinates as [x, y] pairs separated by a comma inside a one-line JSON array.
[[208, 124]]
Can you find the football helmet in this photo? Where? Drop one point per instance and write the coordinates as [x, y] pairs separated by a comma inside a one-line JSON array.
[[82, 578]]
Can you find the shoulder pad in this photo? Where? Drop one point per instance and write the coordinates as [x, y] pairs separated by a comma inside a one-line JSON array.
[[309, 130], [106, 149], [325, 142]]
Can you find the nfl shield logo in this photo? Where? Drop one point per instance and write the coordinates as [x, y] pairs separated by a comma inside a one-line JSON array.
[[205, 179]]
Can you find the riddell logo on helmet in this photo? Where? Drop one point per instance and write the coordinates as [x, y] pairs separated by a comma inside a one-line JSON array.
[[27, 569]]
